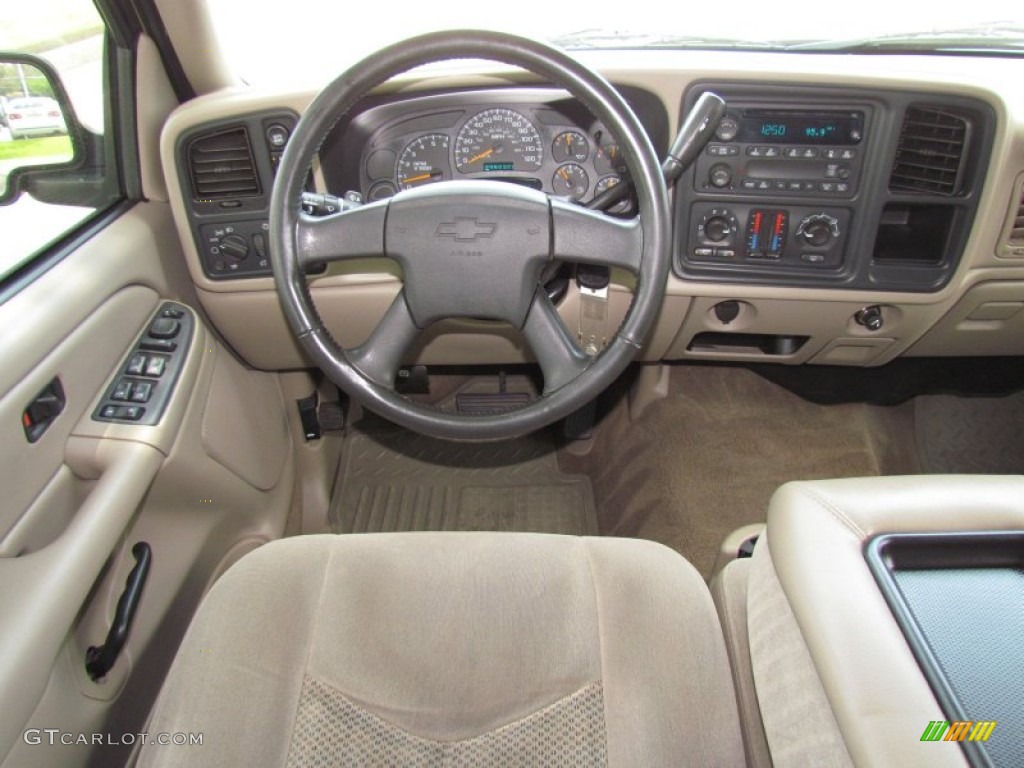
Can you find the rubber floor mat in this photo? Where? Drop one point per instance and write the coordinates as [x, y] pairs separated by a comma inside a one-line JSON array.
[[975, 435], [396, 481]]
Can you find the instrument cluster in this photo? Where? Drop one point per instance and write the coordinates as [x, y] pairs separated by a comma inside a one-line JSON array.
[[546, 143]]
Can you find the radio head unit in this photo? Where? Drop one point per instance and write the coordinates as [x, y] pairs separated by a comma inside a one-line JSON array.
[[792, 152]]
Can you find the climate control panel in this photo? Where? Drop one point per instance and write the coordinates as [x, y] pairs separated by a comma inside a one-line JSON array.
[[799, 236]]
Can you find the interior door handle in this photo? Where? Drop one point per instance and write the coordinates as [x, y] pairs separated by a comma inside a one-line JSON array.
[[42, 411], [100, 660]]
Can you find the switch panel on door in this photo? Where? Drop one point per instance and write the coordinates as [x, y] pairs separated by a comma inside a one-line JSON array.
[[144, 381]]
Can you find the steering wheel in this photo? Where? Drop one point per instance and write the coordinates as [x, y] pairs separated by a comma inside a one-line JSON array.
[[471, 249]]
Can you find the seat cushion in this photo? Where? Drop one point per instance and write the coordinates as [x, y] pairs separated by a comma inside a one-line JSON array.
[[453, 649]]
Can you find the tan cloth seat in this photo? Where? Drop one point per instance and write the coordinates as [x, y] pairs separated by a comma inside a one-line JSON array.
[[453, 649]]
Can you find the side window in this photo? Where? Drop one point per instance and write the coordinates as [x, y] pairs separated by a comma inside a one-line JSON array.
[[70, 36]]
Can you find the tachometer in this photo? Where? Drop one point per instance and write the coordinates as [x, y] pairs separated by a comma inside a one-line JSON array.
[[498, 140], [423, 161]]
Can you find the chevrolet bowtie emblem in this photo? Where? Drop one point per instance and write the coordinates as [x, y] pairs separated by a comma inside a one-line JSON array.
[[466, 230]]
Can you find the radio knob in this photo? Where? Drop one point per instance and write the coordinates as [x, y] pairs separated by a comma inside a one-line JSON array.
[[720, 175], [818, 229], [235, 247], [727, 129]]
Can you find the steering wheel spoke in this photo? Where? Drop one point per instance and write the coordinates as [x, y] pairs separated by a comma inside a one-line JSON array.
[[380, 356], [560, 358], [357, 233], [580, 234]]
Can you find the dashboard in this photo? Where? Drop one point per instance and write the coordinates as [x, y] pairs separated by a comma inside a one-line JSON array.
[[835, 218]]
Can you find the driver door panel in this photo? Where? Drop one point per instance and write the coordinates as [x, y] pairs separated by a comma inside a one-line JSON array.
[[212, 480]]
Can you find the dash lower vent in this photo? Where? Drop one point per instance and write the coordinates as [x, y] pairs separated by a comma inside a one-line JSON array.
[[222, 165], [930, 154], [1011, 244]]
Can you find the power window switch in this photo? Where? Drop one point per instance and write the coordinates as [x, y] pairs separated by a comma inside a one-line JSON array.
[[109, 412], [155, 366], [137, 365], [142, 391], [172, 313], [122, 390]]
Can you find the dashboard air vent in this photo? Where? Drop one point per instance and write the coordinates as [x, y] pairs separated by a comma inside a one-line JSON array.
[[1011, 244], [1016, 235], [222, 165], [930, 152]]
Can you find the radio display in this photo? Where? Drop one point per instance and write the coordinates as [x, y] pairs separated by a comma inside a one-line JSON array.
[[801, 127]]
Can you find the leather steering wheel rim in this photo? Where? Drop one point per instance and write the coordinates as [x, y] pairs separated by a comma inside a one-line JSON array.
[[294, 247]]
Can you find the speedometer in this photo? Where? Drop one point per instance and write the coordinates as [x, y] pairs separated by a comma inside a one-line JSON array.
[[498, 140]]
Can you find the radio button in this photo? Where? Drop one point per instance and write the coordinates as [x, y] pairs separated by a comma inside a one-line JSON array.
[[703, 253], [813, 258], [828, 186], [772, 152], [726, 253], [842, 187], [764, 185], [749, 184], [723, 150], [795, 186]]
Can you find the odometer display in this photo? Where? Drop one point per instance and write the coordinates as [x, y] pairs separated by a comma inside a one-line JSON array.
[[498, 137]]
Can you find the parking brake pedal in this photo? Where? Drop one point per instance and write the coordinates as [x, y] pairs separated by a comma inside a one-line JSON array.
[[318, 416]]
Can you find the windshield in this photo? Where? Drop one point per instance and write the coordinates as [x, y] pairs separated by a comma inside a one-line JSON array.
[[310, 42]]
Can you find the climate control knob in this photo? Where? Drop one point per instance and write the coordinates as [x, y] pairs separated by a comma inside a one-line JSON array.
[[234, 247], [818, 230], [718, 226], [720, 175], [717, 229]]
